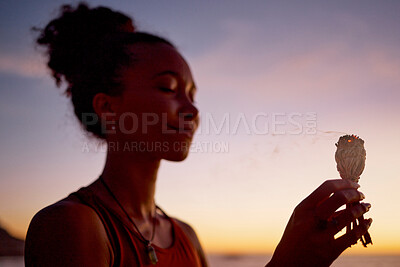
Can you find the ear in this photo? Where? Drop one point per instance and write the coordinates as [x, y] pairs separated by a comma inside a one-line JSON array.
[[106, 105]]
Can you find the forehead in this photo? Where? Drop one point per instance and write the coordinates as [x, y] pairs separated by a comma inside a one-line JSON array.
[[151, 59]]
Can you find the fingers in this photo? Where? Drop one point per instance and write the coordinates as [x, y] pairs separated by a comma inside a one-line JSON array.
[[338, 199], [326, 189], [347, 216], [352, 237]]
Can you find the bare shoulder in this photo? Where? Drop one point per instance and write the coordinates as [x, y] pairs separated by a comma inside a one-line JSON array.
[[187, 229], [67, 233], [191, 234]]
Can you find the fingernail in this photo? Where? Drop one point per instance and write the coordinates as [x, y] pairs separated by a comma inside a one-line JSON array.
[[367, 206], [362, 196], [355, 185], [369, 223]]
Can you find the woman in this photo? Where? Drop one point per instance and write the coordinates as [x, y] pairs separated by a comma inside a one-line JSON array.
[[136, 92]]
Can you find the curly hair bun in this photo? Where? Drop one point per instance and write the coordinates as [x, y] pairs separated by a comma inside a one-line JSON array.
[[73, 35]]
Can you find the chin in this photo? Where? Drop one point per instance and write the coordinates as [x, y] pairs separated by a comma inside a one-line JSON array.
[[176, 156], [176, 150]]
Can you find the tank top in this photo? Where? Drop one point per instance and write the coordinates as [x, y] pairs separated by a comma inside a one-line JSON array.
[[127, 247]]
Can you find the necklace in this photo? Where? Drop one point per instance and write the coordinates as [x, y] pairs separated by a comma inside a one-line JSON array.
[[149, 248]]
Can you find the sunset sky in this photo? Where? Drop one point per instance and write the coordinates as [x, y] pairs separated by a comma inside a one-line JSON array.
[[291, 77]]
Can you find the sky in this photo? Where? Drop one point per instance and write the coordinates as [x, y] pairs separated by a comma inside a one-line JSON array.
[[278, 83]]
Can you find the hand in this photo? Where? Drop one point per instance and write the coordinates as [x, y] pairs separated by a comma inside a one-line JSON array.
[[308, 239]]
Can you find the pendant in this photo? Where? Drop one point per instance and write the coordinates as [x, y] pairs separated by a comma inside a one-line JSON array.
[[152, 254]]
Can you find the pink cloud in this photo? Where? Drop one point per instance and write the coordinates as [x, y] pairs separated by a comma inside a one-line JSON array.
[[26, 66]]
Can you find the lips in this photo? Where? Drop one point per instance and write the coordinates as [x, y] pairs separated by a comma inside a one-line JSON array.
[[188, 130]]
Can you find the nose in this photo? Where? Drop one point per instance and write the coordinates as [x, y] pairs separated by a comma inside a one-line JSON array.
[[189, 114]]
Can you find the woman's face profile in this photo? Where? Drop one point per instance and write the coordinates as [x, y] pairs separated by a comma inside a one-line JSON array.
[[156, 110]]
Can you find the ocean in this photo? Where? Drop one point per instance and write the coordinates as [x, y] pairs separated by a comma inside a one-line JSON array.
[[344, 261], [260, 260]]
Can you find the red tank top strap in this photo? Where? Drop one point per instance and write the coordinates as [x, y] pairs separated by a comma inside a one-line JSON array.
[[182, 248]]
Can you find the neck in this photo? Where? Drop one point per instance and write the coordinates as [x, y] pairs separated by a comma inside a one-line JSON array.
[[132, 179]]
